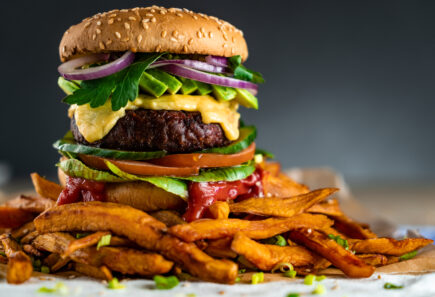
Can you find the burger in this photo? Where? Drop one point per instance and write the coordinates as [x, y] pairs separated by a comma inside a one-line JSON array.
[[153, 98]]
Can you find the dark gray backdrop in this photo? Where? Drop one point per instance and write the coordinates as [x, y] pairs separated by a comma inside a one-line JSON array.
[[350, 84]]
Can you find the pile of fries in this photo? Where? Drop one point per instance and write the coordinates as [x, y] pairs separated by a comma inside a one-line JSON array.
[[290, 226]]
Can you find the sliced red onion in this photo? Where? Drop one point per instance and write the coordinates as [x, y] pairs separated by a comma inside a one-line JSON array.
[[198, 65], [69, 69], [210, 78], [217, 61]]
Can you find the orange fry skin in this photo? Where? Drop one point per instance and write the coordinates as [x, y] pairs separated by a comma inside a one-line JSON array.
[[352, 229], [282, 186], [374, 259], [215, 229], [343, 259], [388, 246], [84, 242], [265, 256], [13, 218], [20, 266], [327, 208], [45, 188], [219, 210], [220, 248], [281, 207]]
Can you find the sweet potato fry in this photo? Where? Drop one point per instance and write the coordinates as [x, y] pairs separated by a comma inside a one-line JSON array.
[[352, 229], [84, 242], [168, 217], [343, 259], [12, 217], [374, 259], [30, 250], [328, 208], [45, 188], [219, 210], [215, 229], [30, 204], [274, 168], [220, 248], [282, 186], [140, 228], [29, 237], [132, 194], [55, 262], [20, 266], [23, 230], [124, 260], [388, 246], [265, 256], [92, 271], [281, 207]]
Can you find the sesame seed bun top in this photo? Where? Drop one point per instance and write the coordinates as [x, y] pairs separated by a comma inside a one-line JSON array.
[[153, 29]]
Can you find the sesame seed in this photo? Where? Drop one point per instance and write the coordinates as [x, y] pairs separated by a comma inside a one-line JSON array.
[[98, 31], [202, 30], [186, 10], [195, 17], [225, 36], [180, 37], [153, 10], [199, 34], [172, 10], [131, 18], [210, 34], [153, 20], [162, 11], [102, 45], [149, 14], [180, 15], [163, 34], [94, 36], [175, 33], [124, 10], [158, 48], [233, 39], [190, 41], [87, 25], [145, 26], [145, 20], [139, 38], [118, 19], [110, 21], [118, 35], [99, 23], [109, 42], [126, 39], [127, 26], [185, 48], [225, 45], [174, 39], [112, 15]]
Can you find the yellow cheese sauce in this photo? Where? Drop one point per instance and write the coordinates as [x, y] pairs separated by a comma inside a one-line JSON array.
[[95, 123]]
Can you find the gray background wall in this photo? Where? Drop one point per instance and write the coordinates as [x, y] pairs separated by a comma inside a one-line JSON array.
[[350, 84]]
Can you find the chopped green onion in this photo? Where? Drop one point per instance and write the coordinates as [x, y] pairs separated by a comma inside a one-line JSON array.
[[59, 289], [408, 256], [237, 280], [319, 278], [105, 240], [191, 295], [45, 269], [2, 254], [290, 273], [243, 270], [390, 286], [280, 240], [283, 267], [257, 278], [343, 242], [81, 235], [309, 279], [319, 290], [293, 295], [114, 284], [165, 283]]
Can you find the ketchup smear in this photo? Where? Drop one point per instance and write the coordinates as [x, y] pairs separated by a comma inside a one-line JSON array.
[[202, 195], [80, 189]]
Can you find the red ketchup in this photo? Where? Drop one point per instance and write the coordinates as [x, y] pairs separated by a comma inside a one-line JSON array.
[[202, 195], [81, 190]]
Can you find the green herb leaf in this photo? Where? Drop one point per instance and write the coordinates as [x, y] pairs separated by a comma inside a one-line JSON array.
[[243, 270], [257, 278], [276, 240], [390, 286], [59, 289], [408, 256], [114, 284], [104, 241], [165, 283], [343, 242]]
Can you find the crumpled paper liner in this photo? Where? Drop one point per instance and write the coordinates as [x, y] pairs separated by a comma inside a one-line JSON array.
[[315, 178]]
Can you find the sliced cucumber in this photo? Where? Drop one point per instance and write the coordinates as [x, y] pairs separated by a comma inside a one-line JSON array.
[[245, 98], [170, 81], [189, 86], [247, 136], [152, 85], [224, 93]]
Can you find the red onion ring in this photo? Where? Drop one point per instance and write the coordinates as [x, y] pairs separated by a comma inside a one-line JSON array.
[[217, 61], [210, 78], [69, 69], [198, 65]]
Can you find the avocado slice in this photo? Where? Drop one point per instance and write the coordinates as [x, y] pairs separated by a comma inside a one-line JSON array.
[[224, 93], [152, 85], [203, 88], [189, 86], [245, 98], [170, 81], [67, 86]]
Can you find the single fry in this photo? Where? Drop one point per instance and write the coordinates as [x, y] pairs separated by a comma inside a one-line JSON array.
[[55, 262], [281, 207], [221, 248], [23, 230], [265, 256], [84, 242], [215, 229], [352, 229], [219, 210], [29, 237], [13, 218], [31, 204], [19, 267], [282, 186], [168, 217], [374, 259], [140, 228], [92, 271], [343, 259], [45, 188], [388, 246], [327, 208]]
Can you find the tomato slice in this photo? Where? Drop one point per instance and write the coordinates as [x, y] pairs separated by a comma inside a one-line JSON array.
[[138, 167], [204, 160]]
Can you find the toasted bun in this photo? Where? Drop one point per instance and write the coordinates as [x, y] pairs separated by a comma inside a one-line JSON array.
[[153, 29]]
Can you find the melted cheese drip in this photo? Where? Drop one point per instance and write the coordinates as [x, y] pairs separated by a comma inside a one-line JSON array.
[[95, 123]]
